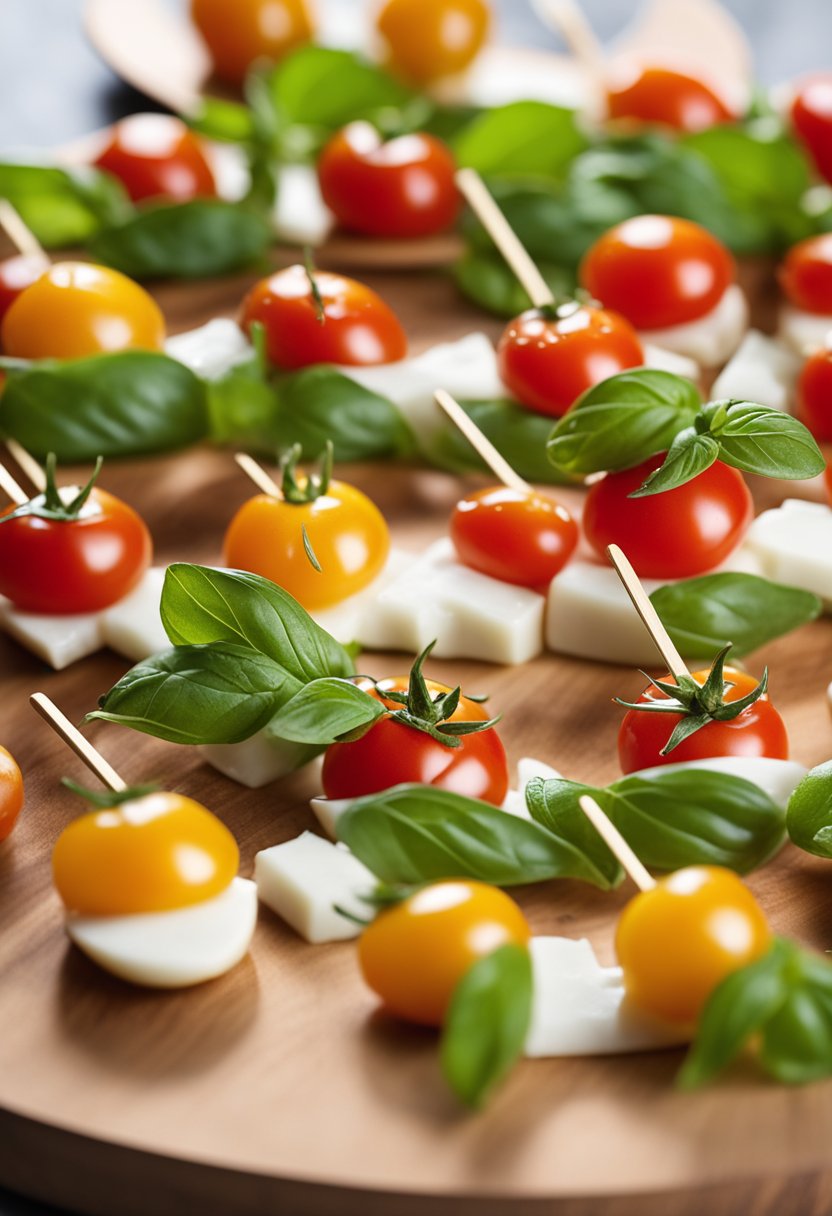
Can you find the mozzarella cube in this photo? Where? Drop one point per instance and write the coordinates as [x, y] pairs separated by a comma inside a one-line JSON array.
[[668, 361], [793, 544], [58, 640], [346, 621], [302, 881], [710, 340], [259, 760], [211, 350], [301, 217], [762, 370], [133, 627], [805, 332]]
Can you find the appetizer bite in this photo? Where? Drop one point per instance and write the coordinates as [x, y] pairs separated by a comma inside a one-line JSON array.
[[238, 33], [155, 156], [11, 793]]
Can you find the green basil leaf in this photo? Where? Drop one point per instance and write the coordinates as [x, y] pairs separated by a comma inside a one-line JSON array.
[[418, 833], [64, 206], [688, 456], [224, 121], [758, 439], [214, 693], [317, 86], [797, 1039], [487, 1023], [809, 813], [326, 710], [521, 137], [702, 615], [554, 804], [127, 404], [517, 433], [484, 278], [185, 240]]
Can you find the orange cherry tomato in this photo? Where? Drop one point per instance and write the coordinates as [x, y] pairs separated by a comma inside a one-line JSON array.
[[677, 534], [78, 309], [428, 39], [757, 731], [668, 98], [156, 156], [547, 362], [402, 188], [152, 853], [516, 537], [358, 327], [414, 954], [11, 793], [238, 32], [812, 120], [805, 274], [16, 274], [658, 271], [814, 395], [678, 941]]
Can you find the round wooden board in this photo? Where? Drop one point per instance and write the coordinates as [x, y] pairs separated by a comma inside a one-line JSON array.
[[280, 1087]]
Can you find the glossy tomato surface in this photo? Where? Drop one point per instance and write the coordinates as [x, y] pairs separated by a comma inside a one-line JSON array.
[[667, 98], [548, 362], [811, 113], [358, 327], [157, 156], [82, 565], [513, 536], [402, 188], [239, 32], [16, 274], [11, 793], [805, 274], [427, 39], [757, 731], [658, 271], [677, 534], [814, 395]]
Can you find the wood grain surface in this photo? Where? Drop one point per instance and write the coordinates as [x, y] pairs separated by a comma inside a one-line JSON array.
[[280, 1087]]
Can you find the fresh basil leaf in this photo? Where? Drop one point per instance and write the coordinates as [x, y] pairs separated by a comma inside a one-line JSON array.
[[317, 86], [418, 833], [448, 121], [702, 615], [522, 137], [553, 803], [797, 1039], [214, 693], [185, 240], [326, 710], [688, 456], [242, 406], [518, 434], [64, 206], [487, 1023], [224, 121], [126, 404], [484, 278], [759, 439], [809, 813]]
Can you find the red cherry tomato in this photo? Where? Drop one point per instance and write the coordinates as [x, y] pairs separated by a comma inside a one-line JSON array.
[[238, 32], [156, 156], [805, 274], [757, 731], [668, 98], [11, 793], [358, 327], [677, 534], [814, 395], [402, 188], [517, 537], [16, 274], [81, 565], [812, 120], [658, 271], [548, 362], [392, 753]]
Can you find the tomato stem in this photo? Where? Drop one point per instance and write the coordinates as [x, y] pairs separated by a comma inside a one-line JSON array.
[[317, 298]]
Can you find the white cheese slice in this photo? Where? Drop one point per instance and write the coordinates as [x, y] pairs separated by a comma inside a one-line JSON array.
[[212, 349], [346, 621], [777, 778], [668, 361], [259, 760], [58, 640], [711, 339], [762, 369], [580, 1008], [172, 949], [805, 332], [793, 544], [304, 879], [133, 626]]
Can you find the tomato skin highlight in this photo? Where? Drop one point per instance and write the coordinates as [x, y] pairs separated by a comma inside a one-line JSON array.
[[677, 942], [658, 271], [16, 274], [671, 99], [359, 328], [11, 793], [814, 395], [811, 114], [805, 274], [429, 39], [156, 156], [414, 954], [758, 731], [237, 32], [59, 568], [519, 538], [677, 534]]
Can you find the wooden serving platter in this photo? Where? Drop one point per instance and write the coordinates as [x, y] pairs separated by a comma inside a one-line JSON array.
[[280, 1087]]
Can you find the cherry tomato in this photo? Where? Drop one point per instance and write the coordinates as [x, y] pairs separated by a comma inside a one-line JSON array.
[[16, 274], [78, 309], [668, 98], [757, 731], [428, 39], [805, 274], [358, 327], [812, 120], [678, 941], [548, 362], [677, 534], [414, 954], [238, 32], [62, 567], [827, 477], [156, 156], [11, 793], [658, 271], [513, 536], [814, 395], [402, 188]]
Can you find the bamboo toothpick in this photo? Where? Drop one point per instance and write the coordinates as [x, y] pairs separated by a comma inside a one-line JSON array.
[[73, 738], [652, 622], [567, 18], [258, 475], [616, 843], [10, 487], [20, 235], [498, 464], [27, 463]]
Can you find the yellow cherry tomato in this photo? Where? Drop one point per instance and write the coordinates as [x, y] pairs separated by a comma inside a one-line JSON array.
[[11, 792], [152, 853], [237, 32], [414, 954], [346, 531], [78, 309], [678, 941], [428, 39]]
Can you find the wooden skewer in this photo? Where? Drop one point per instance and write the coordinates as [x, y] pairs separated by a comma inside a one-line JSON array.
[[10, 487], [20, 235], [496, 462], [73, 738], [567, 18], [258, 475], [27, 463], [641, 602], [616, 843]]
